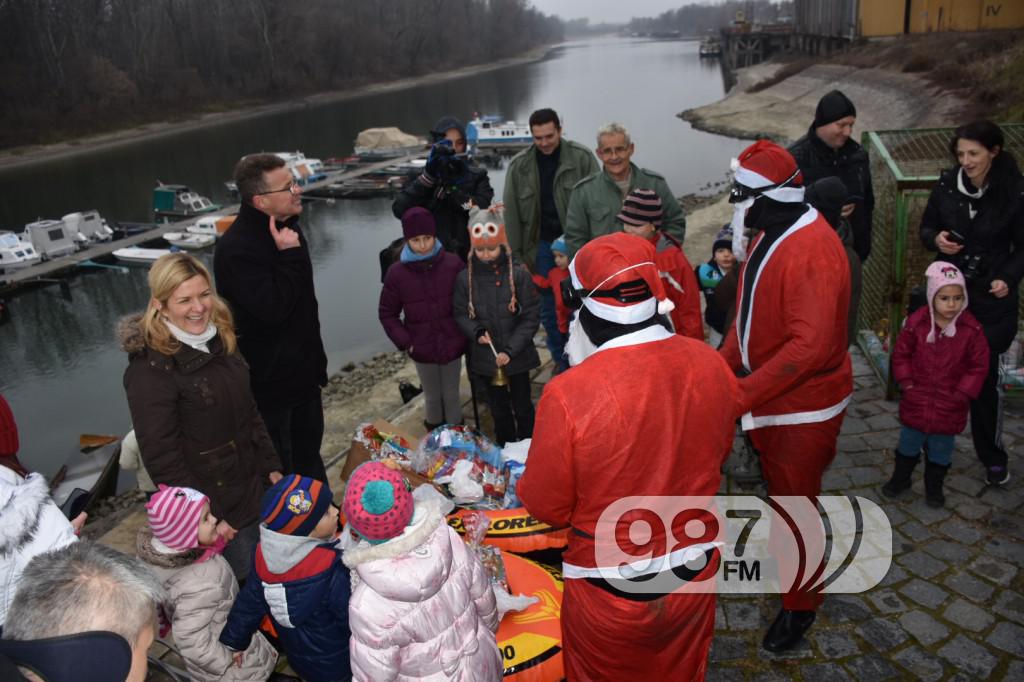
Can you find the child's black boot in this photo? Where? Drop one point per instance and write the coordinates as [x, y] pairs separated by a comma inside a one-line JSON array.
[[901, 473], [934, 475]]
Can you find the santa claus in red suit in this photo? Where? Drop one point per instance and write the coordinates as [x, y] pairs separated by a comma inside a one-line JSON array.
[[630, 418], [789, 343]]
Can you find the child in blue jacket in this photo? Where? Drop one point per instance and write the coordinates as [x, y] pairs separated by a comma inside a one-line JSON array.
[[299, 580]]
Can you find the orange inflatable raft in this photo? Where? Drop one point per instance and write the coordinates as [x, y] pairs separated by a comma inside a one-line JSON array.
[[531, 640], [514, 530]]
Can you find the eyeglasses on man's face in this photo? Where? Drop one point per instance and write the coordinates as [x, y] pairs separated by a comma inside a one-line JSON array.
[[291, 187]]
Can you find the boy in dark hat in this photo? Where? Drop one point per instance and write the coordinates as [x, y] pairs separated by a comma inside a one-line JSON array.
[[299, 580], [709, 276]]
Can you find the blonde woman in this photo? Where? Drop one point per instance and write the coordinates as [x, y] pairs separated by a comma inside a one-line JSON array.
[[191, 405]]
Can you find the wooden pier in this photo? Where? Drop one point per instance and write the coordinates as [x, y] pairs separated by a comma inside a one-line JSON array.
[[11, 281]]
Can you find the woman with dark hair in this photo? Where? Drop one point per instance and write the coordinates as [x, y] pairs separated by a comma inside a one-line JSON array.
[[193, 410], [975, 220]]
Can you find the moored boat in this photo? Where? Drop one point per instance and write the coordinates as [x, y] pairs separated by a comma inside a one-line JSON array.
[[378, 144], [16, 253], [188, 240], [50, 238], [179, 201], [491, 132], [138, 255], [89, 475]]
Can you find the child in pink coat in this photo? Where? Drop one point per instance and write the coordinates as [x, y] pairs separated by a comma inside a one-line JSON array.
[[940, 361]]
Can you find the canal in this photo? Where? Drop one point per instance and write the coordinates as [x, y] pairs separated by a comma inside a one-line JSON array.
[[60, 365]]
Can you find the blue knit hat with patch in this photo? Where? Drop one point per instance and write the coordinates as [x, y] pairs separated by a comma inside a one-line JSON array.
[[295, 504]]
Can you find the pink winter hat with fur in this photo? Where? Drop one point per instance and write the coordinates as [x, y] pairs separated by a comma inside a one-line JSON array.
[[940, 274]]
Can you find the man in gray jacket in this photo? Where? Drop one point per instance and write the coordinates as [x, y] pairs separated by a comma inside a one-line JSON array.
[[536, 196], [597, 199]]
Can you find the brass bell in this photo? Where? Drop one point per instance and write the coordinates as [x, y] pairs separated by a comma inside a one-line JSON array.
[[499, 378]]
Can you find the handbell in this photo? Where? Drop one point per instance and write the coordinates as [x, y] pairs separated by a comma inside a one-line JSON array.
[[499, 378]]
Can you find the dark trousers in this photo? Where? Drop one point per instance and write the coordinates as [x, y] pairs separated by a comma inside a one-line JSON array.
[[987, 409], [238, 552], [512, 408], [297, 433]]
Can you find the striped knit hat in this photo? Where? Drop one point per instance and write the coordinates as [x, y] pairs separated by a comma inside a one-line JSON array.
[[641, 206], [174, 515], [295, 504]]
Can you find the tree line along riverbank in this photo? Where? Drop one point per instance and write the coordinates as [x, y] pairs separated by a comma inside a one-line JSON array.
[[73, 69]]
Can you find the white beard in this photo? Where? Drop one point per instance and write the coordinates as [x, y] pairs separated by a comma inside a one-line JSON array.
[[739, 239], [578, 347]]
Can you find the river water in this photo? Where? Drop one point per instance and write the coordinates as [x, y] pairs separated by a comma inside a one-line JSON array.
[[60, 366]]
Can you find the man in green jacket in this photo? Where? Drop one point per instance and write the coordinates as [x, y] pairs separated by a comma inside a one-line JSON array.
[[537, 188], [596, 200]]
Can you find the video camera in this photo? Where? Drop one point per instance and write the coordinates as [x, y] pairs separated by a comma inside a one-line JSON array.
[[444, 164]]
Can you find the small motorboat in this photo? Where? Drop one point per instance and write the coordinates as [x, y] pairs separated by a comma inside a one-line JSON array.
[[16, 253], [89, 475], [51, 238], [88, 228], [178, 201], [189, 240], [212, 225], [138, 255], [378, 144]]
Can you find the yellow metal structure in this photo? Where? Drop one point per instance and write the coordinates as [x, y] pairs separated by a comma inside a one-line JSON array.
[[927, 16]]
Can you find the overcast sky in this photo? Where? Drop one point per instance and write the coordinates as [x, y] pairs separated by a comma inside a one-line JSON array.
[[612, 11]]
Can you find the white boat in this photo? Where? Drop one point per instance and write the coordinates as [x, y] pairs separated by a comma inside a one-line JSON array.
[[188, 240], [212, 225], [304, 169], [709, 47], [137, 254], [16, 253], [50, 238], [490, 132], [87, 227]]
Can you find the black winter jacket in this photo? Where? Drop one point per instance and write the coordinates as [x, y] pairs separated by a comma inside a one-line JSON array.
[[996, 234], [511, 333], [444, 199], [850, 164], [271, 295]]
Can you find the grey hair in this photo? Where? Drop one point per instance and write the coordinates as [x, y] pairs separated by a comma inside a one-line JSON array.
[[80, 588], [613, 129]]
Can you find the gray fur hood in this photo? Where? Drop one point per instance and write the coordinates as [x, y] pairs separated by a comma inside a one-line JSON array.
[[129, 334]]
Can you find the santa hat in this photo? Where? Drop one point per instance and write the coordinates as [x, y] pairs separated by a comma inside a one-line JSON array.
[[619, 279], [940, 274], [8, 430], [174, 516], [764, 169], [487, 230]]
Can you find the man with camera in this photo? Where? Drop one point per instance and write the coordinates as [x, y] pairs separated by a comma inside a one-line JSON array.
[[447, 185]]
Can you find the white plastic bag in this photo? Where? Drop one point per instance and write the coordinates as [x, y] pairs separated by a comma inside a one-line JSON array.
[[516, 452], [463, 488], [508, 602]]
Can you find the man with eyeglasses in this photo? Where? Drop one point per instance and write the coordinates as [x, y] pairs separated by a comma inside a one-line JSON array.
[[263, 270], [597, 199]]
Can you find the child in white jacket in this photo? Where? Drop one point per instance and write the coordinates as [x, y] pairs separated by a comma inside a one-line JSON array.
[[182, 548], [422, 607]]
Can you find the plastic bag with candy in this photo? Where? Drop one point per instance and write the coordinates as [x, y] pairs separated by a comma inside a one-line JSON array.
[[475, 525], [513, 472]]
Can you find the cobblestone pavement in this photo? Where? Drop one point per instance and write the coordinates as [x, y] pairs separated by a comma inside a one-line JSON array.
[[952, 604]]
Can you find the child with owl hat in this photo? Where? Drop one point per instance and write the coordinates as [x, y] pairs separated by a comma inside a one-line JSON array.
[[496, 306]]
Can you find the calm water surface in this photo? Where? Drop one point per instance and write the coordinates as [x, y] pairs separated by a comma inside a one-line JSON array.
[[60, 366]]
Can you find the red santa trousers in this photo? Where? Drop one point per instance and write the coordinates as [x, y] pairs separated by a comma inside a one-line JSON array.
[[793, 459], [607, 637]]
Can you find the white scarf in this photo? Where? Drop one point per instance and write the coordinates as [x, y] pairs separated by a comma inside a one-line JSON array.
[[197, 341], [974, 195]]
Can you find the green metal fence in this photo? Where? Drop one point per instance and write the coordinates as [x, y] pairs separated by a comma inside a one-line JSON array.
[[905, 165]]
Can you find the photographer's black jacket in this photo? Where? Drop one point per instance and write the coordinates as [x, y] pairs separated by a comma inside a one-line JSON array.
[[850, 164], [444, 198], [996, 234]]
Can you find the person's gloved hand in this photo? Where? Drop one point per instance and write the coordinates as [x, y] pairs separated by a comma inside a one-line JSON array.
[[440, 155]]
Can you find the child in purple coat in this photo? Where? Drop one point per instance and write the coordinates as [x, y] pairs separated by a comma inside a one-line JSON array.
[[940, 362], [416, 312]]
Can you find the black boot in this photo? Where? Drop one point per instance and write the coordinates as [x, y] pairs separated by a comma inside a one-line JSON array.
[[901, 473], [430, 427], [787, 630], [934, 475]]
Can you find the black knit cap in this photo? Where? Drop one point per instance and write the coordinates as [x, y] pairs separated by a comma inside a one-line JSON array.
[[832, 107], [640, 207]]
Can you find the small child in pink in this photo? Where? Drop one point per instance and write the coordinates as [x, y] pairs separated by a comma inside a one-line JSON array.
[[940, 362]]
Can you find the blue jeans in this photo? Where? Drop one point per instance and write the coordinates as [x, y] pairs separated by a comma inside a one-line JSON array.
[[556, 340], [939, 447]]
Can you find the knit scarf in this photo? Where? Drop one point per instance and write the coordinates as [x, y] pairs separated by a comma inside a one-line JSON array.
[[410, 256], [197, 341]]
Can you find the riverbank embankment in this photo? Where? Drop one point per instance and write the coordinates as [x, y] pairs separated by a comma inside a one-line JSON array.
[[783, 111], [23, 157]]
